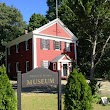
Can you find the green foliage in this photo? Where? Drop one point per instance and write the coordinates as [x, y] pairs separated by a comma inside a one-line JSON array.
[[105, 63], [11, 26], [89, 21], [51, 13], [36, 21], [77, 93], [94, 86], [7, 94]]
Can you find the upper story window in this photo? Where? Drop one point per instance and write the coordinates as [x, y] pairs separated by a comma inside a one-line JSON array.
[[27, 45], [67, 46], [27, 66], [9, 51], [45, 44], [17, 66], [9, 66], [57, 45], [45, 64], [17, 48]]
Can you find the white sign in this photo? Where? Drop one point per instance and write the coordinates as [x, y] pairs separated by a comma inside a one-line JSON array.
[[104, 100]]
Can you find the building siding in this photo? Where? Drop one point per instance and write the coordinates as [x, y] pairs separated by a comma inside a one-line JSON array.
[[56, 30], [51, 53], [22, 56]]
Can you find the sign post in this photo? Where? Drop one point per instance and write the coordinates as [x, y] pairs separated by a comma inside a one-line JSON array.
[[59, 90], [19, 89], [38, 77]]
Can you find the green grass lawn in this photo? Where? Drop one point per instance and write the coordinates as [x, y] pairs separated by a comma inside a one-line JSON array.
[[36, 101]]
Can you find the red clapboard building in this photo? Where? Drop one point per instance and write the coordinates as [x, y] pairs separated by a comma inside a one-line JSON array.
[[51, 46]]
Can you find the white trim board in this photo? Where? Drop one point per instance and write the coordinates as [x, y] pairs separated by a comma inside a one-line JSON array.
[[34, 52], [29, 35], [53, 38]]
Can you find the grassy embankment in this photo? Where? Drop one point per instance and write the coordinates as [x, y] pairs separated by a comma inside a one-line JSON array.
[[36, 101]]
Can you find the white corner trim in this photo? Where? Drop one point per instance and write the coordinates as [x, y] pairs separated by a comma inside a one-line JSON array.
[[34, 51], [6, 58], [75, 51], [58, 66]]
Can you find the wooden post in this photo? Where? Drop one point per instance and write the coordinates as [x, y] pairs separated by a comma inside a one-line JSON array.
[[19, 89], [59, 90]]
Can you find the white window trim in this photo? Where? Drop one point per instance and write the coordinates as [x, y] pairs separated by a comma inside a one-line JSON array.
[[67, 69], [9, 51], [55, 45], [45, 43], [17, 49], [26, 45], [9, 65], [67, 47], [17, 69], [42, 63], [26, 66], [54, 66]]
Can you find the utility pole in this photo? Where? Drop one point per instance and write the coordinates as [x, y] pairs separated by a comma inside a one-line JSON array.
[[56, 16], [56, 9]]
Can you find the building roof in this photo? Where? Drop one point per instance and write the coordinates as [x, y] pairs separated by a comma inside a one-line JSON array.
[[38, 30], [60, 57]]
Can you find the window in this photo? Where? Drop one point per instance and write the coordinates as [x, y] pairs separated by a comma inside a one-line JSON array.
[[57, 45], [67, 46], [17, 66], [54, 66], [17, 48], [9, 66], [27, 66], [45, 44], [8, 50], [45, 64], [27, 45]]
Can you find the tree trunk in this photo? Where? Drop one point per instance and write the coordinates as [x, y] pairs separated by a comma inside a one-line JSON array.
[[92, 60]]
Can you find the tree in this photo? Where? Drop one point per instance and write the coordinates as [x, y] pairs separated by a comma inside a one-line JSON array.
[[36, 21], [77, 93], [90, 21], [51, 13], [7, 95], [105, 63], [11, 26]]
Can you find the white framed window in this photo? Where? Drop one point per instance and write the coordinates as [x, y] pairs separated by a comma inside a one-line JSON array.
[[57, 45], [17, 66], [9, 67], [9, 51], [17, 48], [45, 64], [27, 66], [27, 45], [67, 46], [45, 44], [54, 66]]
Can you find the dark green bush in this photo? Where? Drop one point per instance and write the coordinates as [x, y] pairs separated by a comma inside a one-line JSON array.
[[77, 93], [95, 86], [7, 94]]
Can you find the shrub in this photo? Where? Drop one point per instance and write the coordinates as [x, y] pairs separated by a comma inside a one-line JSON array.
[[95, 86], [77, 93], [7, 94]]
